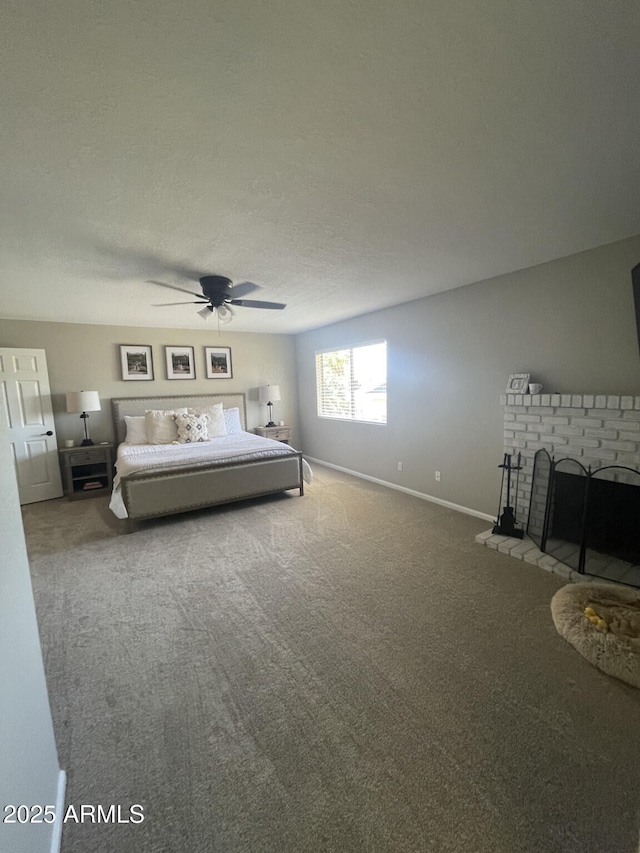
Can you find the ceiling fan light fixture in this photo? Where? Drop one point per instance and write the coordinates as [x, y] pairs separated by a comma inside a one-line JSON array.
[[219, 294], [225, 314]]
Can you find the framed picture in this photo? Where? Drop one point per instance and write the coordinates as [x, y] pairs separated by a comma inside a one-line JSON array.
[[218, 361], [136, 362], [518, 383], [180, 364]]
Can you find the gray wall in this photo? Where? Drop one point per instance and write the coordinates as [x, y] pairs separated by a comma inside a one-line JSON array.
[[29, 769], [569, 323], [87, 357]]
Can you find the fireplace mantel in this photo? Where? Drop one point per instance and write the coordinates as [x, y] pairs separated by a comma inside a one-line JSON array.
[[573, 401]]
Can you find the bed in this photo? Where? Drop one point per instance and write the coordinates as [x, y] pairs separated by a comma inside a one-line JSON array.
[[154, 481]]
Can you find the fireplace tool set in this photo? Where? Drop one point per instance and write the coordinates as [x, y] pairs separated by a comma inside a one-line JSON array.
[[506, 523]]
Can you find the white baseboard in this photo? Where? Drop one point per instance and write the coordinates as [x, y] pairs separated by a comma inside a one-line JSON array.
[[465, 509], [56, 837]]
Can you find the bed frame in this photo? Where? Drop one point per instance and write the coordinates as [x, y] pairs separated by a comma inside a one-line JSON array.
[[151, 494]]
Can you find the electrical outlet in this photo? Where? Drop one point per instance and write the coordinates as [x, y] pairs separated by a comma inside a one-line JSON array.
[[399, 466], [437, 476]]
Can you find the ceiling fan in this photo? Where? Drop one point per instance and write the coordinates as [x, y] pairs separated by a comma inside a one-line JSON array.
[[219, 294]]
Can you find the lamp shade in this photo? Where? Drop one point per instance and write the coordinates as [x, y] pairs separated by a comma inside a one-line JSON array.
[[83, 401], [225, 314], [269, 393]]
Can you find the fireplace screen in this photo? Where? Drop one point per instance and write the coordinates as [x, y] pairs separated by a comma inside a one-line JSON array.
[[539, 498], [565, 524], [589, 520]]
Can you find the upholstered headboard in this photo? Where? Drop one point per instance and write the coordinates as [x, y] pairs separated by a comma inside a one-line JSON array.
[[133, 406]]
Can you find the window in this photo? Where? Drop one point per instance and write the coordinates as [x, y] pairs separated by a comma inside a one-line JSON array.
[[352, 383]]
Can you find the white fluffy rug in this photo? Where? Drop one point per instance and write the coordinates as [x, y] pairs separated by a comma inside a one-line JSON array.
[[602, 622]]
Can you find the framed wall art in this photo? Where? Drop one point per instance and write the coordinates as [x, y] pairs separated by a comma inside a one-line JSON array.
[[136, 362], [180, 363], [218, 360], [518, 383]]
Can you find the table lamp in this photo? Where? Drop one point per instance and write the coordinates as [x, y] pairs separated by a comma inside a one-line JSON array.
[[83, 401], [269, 394]]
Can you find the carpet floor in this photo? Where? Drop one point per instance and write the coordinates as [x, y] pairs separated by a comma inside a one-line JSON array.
[[347, 671]]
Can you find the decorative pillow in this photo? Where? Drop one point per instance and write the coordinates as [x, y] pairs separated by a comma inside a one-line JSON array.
[[191, 428], [232, 421], [216, 426], [136, 430], [161, 428]]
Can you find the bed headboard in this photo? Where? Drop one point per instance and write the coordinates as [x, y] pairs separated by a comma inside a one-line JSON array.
[[132, 406]]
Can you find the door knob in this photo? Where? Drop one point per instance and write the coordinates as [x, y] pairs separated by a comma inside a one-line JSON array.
[[48, 432]]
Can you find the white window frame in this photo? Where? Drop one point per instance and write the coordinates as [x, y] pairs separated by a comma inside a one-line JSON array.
[[320, 392]]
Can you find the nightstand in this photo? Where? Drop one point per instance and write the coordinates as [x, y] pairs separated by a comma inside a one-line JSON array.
[[87, 471], [279, 433]]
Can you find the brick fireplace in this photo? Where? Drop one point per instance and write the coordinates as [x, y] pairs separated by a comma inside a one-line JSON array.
[[595, 429]]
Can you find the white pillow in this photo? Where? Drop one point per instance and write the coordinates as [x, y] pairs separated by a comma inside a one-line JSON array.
[[160, 425], [232, 421], [191, 428], [216, 427], [136, 429]]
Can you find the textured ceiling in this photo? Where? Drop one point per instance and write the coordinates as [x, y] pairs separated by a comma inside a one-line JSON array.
[[346, 155]]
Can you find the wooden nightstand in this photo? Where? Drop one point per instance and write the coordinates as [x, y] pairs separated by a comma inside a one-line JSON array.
[[279, 433], [83, 467]]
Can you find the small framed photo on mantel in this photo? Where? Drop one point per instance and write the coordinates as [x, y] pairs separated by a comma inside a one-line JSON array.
[[218, 361], [136, 362], [180, 363], [518, 383]]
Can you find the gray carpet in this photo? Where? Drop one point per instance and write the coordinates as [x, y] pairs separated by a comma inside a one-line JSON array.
[[348, 671]]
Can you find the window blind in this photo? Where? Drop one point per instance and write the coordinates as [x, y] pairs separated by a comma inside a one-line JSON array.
[[352, 383]]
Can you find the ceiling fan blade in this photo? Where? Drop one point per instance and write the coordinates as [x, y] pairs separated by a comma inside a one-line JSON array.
[[173, 287], [160, 304], [255, 303], [242, 289]]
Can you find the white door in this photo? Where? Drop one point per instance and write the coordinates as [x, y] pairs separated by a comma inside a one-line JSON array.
[[24, 385]]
